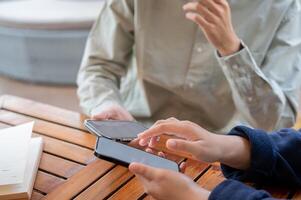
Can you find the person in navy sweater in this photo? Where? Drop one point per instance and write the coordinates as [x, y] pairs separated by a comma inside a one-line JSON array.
[[245, 154]]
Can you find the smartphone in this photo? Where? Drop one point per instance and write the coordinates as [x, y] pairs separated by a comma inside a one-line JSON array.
[[122, 154], [124, 131]]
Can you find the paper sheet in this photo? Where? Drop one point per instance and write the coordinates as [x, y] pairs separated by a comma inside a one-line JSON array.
[[14, 147]]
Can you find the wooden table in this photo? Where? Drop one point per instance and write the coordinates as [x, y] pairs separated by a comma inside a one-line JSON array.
[[68, 168]]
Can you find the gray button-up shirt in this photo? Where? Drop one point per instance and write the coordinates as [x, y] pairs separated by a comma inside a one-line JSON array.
[[146, 56]]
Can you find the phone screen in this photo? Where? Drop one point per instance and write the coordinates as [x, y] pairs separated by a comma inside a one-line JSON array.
[[122, 154], [119, 130]]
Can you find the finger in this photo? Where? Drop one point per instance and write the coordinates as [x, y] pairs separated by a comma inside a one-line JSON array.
[[145, 182], [154, 141], [144, 142], [202, 10], [147, 172], [171, 119], [101, 116], [183, 146], [213, 7], [180, 129], [162, 154], [199, 20], [149, 150], [183, 166]]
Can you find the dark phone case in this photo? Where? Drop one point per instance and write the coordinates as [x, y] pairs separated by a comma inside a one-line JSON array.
[[92, 129], [114, 160]]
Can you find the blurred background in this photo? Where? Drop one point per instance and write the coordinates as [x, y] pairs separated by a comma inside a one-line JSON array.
[[42, 43]]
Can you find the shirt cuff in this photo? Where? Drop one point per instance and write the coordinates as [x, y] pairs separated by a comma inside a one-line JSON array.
[[263, 156], [240, 64], [234, 190]]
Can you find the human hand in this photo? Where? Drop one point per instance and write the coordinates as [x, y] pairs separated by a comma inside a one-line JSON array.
[[214, 18], [193, 139], [112, 112], [164, 184], [203, 145]]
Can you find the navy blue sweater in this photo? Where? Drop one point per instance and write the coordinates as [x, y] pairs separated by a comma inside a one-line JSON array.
[[275, 158]]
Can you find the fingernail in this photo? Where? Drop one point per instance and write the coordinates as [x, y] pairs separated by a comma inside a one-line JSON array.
[[142, 142], [172, 143]]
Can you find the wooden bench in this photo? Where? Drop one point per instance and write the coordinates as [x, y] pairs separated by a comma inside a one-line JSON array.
[[68, 168]]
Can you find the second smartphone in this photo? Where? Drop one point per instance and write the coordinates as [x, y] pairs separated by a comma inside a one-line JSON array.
[[124, 155]]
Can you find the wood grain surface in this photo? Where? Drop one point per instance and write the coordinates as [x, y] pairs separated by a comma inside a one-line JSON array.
[[69, 169]]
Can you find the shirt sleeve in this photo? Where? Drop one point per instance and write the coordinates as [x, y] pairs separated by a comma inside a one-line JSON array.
[[108, 51], [234, 190], [275, 157], [267, 95]]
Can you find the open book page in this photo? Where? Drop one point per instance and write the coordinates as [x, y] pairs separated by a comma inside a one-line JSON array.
[[14, 147]]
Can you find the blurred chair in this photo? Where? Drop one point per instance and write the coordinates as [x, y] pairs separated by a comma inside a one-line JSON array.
[[43, 40]]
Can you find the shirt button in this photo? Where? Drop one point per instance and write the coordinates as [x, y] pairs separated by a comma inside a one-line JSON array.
[[235, 67], [199, 49], [191, 84]]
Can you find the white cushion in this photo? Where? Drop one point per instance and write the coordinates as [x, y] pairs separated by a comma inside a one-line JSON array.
[[49, 14]]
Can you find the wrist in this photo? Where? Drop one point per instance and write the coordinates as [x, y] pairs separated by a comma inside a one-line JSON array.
[[230, 48], [198, 193], [102, 107], [236, 152]]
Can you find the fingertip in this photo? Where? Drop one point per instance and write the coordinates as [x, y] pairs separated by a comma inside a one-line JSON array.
[[161, 154], [183, 167], [171, 144], [143, 142], [149, 150], [134, 167]]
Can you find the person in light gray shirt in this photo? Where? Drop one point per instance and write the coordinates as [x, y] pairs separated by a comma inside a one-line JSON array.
[[217, 63]]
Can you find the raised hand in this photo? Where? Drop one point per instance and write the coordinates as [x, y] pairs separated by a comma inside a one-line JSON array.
[[214, 18]]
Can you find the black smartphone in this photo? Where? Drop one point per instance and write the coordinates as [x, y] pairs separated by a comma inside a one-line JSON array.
[[122, 154], [124, 131]]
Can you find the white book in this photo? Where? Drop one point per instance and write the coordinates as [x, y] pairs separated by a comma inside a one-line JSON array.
[[21, 189]]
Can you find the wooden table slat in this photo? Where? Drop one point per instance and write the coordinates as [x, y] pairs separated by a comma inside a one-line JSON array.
[[297, 196], [66, 150], [195, 168], [58, 166], [107, 184], [132, 190], [46, 182], [80, 181], [42, 111], [49, 129], [211, 178], [63, 149], [36, 195], [68, 168]]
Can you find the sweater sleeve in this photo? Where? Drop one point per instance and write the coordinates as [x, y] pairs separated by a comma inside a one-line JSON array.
[[235, 190], [275, 157]]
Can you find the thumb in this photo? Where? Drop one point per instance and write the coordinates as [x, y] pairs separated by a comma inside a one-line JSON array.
[[184, 146], [102, 116]]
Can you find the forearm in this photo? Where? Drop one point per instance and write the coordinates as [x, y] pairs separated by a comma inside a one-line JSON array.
[[260, 100], [96, 88], [234, 190], [96, 94], [235, 151], [273, 157]]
